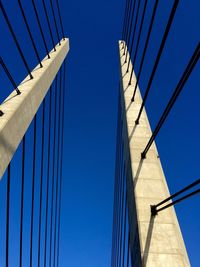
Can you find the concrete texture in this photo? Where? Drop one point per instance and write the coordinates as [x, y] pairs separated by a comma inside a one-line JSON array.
[[160, 239], [19, 110]]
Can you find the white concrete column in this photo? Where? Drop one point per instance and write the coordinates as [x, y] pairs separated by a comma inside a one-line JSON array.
[[160, 239], [19, 110]]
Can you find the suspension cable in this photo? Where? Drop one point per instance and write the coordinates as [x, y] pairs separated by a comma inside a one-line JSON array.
[[133, 37], [145, 49], [57, 174], [123, 253], [15, 39], [169, 23], [127, 23], [61, 165], [122, 212], [119, 205], [29, 32], [154, 209], [22, 201], [40, 27], [61, 24], [41, 181], [125, 18], [53, 171], [128, 250], [117, 202], [48, 177], [33, 189], [129, 30], [54, 18], [118, 188], [115, 185], [194, 59], [48, 22], [9, 76], [7, 216], [138, 40], [117, 211]]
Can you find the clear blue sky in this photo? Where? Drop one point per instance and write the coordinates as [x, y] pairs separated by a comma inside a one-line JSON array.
[[94, 28]]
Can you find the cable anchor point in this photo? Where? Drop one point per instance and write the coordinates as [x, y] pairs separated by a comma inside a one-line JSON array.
[[153, 210]]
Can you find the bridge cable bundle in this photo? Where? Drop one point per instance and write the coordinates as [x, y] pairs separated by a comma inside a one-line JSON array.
[[54, 18], [48, 23], [138, 39], [29, 32], [124, 249], [128, 24], [167, 29], [193, 61], [42, 172], [40, 27], [15, 39], [133, 37], [154, 210], [121, 232], [129, 30], [145, 49]]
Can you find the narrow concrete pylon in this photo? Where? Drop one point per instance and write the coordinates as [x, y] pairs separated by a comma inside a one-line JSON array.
[[19, 110], [156, 241]]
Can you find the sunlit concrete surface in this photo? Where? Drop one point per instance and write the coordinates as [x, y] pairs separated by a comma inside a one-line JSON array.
[[19, 110], [160, 239]]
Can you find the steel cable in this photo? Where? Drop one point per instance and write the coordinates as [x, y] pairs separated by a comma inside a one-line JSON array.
[[8, 216], [33, 189], [129, 29], [193, 61], [125, 18], [48, 23], [167, 29], [122, 209], [40, 28], [128, 22], [61, 164], [133, 37], [53, 171], [115, 186], [154, 209], [29, 32], [61, 24], [15, 39], [22, 201], [54, 18], [41, 181], [145, 49], [138, 40], [57, 174], [48, 177], [9, 76]]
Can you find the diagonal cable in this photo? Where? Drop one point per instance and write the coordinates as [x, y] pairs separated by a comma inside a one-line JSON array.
[[193, 61], [167, 29], [29, 32], [133, 37], [60, 18], [54, 18], [9, 76], [15, 39], [40, 27], [49, 25], [145, 48]]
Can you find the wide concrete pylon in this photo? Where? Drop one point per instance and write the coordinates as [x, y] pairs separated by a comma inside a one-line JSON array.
[[19, 110], [160, 241]]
